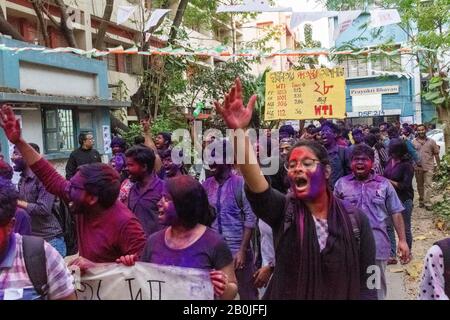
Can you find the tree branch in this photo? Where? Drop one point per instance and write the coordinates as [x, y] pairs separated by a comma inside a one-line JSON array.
[[50, 17], [67, 33], [101, 31], [7, 28], [42, 24]]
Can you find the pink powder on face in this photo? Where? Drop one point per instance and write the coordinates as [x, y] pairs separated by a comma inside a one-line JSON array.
[[316, 179]]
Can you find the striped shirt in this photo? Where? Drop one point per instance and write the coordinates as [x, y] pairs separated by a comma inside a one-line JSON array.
[[230, 220], [44, 223], [13, 273]]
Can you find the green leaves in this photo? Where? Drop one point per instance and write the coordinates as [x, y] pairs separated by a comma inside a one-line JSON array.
[[439, 100], [431, 95]]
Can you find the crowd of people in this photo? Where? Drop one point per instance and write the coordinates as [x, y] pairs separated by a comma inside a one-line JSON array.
[[340, 204]]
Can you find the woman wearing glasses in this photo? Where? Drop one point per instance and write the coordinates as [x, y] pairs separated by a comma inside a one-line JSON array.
[[323, 248]]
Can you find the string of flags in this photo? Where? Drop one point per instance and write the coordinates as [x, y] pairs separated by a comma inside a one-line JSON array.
[[219, 51]]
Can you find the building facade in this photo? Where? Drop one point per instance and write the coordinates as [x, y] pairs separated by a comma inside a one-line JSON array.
[[372, 94], [276, 23], [123, 70], [56, 97]]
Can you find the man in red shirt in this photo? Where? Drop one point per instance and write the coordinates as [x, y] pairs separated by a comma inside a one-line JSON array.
[[106, 229]]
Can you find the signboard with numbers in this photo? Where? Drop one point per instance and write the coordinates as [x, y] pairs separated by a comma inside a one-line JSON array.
[[305, 94]]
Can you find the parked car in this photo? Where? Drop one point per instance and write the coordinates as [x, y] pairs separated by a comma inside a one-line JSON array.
[[438, 136]]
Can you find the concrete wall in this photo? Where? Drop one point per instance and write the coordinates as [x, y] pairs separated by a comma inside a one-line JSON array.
[[56, 80], [54, 73], [32, 127], [131, 81], [10, 66]]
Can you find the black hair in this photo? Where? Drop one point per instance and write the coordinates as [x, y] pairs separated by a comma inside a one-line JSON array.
[[6, 171], [102, 181], [370, 139], [142, 155], [287, 129], [363, 149], [374, 130], [392, 132], [139, 140], [318, 149], [83, 136], [332, 126], [118, 141], [385, 124], [35, 147], [397, 148], [165, 154], [408, 129], [190, 201], [167, 137], [8, 201], [421, 125]]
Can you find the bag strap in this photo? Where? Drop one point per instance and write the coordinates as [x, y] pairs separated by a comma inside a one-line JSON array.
[[35, 263], [238, 189], [355, 228]]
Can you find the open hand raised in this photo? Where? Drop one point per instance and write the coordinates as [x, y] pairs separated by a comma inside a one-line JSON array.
[[233, 111], [10, 124]]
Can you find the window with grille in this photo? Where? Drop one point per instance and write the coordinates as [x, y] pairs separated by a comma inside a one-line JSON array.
[[355, 67], [61, 126], [386, 63], [58, 130]]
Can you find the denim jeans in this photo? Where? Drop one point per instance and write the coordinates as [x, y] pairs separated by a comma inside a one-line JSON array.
[[407, 213], [59, 244]]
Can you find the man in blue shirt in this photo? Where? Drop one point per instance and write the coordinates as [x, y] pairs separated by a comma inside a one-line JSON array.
[[376, 197], [235, 221]]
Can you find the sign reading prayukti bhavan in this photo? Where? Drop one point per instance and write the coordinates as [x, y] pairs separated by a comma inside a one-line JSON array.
[[305, 94]]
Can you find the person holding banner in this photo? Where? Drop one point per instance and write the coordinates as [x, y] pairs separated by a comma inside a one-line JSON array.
[[319, 255], [106, 229], [186, 241]]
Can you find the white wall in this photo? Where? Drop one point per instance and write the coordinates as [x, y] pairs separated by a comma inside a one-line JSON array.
[[131, 81], [57, 81], [32, 127]]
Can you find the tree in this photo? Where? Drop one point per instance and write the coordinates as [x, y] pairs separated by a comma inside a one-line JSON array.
[[308, 43], [7, 28], [100, 40]]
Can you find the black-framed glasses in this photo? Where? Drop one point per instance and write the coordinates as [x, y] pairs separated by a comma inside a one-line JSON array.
[[307, 164]]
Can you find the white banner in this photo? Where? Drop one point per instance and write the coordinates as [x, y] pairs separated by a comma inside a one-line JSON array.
[[368, 102], [156, 16], [298, 17], [381, 17], [144, 281], [345, 19], [252, 6], [124, 13]]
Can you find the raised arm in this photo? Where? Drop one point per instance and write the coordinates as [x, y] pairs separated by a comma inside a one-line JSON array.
[[237, 116], [11, 126], [51, 179], [149, 143]]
